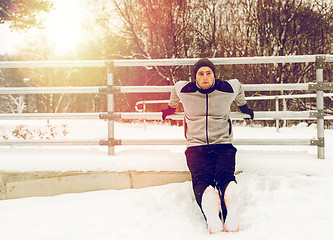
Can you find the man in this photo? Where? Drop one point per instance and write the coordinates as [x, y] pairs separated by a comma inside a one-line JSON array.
[[210, 154]]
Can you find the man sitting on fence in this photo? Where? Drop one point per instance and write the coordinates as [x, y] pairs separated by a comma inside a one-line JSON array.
[[210, 154]]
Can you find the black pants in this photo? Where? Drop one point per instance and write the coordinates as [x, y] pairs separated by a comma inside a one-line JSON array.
[[211, 165]]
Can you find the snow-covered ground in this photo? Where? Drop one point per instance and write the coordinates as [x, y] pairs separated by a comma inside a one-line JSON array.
[[286, 191]]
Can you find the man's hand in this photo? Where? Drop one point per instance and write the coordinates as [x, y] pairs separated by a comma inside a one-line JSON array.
[[167, 112], [247, 110]]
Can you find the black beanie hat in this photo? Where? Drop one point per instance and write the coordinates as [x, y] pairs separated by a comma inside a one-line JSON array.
[[203, 62]]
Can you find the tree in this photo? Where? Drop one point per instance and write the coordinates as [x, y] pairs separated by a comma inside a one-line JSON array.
[[157, 29], [292, 27], [23, 14]]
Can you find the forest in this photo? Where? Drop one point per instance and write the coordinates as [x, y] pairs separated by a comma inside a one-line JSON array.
[[164, 29]]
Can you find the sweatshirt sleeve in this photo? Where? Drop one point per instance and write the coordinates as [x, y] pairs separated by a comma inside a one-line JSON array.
[[240, 95], [174, 97]]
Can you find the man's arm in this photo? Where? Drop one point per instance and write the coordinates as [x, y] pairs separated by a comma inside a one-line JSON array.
[[173, 103], [240, 97], [241, 102], [174, 98]]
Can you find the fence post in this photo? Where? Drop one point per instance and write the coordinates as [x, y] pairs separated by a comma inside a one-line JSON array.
[[277, 122], [320, 106], [144, 120], [110, 103]]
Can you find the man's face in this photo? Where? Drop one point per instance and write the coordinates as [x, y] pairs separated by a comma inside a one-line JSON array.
[[205, 77]]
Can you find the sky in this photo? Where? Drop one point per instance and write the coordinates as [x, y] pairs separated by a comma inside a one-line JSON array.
[[9, 39], [62, 27]]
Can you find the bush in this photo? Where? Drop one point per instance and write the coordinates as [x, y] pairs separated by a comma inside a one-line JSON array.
[[50, 132]]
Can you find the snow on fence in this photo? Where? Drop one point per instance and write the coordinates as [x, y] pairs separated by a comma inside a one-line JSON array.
[[319, 86]]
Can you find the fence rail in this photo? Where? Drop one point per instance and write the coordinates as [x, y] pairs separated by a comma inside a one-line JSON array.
[[275, 97], [152, 89], [172, 142], [48, 90], [162, 62], [262, 115], [319, 86]]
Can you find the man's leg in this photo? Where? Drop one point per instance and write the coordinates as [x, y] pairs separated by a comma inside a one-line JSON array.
[[202, 168], [211, 208], [231, 200], [226, 183]]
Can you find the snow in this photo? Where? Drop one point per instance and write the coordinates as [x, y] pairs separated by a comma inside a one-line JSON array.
[[286, 192]]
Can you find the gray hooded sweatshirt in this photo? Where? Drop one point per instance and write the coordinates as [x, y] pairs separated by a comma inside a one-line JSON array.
[[207, 112]]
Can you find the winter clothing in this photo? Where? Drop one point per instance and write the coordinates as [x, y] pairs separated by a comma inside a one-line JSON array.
[[167, 112], [247, 110], [207, 112], [204, 62], [211, 165], [210, 154]]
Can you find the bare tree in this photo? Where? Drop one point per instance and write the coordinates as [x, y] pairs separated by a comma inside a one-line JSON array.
[[17, 104], [156, 29], [291, 27]]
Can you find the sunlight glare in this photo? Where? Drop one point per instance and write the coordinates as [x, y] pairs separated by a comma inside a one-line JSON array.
[[63, 25], [64, 36]]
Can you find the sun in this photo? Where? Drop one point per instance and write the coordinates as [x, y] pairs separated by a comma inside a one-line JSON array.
[[63, 35], [63, 25], [62, 29]]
